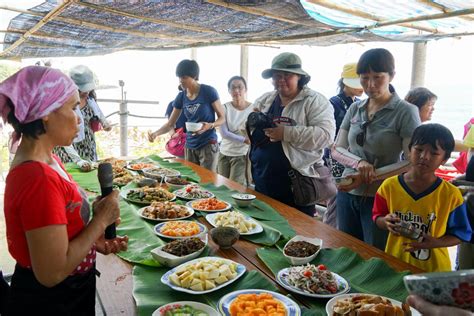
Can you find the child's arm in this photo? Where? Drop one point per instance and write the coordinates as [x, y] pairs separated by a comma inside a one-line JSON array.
[[388, 222], [430, 242]]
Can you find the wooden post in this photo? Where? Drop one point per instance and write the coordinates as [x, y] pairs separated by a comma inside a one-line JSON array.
[[123, 122], [194, 53], [244, 61], [418, 64]]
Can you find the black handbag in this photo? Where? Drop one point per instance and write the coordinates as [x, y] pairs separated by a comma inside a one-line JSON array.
[[309, 190]]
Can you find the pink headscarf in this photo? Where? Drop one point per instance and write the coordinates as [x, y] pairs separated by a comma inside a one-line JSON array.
[[35, 92]]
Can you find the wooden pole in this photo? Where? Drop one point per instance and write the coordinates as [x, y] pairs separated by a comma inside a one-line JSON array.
[[194, 53], [418, 64], [244, 62]]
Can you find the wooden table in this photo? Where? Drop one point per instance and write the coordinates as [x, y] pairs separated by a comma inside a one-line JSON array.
[[115, 284]]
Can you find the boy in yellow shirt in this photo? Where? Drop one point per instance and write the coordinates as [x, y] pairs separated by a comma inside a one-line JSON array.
[[434, 209]]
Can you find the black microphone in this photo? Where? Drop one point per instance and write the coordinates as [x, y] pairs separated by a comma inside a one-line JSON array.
[[106, 179]]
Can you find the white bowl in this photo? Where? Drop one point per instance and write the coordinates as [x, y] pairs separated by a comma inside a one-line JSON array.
[[170, 260], [243, 199], [303, 260], [193, 127], [453, 288]]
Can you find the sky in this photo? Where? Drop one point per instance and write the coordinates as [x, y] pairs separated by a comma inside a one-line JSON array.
[[151, 75]]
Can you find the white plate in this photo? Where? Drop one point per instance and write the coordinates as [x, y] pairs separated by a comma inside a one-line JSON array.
[[123, 194], [179, 193], [190, 213], [211, 218], [343, 285], [196, 305], [160, 172], [190, 204], [157, 228], [292, 309], [165, 278], [330, 304], [151, 165]]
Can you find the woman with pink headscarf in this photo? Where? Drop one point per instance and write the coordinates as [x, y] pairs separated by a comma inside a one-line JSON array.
[[49, 232]]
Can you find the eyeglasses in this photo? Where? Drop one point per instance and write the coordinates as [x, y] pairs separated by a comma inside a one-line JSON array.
[[360, 138]]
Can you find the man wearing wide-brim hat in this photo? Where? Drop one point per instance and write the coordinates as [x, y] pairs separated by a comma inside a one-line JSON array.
[[303, 125]]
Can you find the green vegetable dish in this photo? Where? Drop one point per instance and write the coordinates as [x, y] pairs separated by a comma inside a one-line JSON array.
[[185, 310]]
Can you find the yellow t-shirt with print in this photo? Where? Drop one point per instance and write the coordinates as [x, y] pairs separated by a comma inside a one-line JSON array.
[[439, 208]]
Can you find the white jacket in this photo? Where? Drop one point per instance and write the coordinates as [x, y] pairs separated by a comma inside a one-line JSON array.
[[303, 144]]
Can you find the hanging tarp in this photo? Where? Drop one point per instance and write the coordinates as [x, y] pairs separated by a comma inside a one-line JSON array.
[[82, 28]]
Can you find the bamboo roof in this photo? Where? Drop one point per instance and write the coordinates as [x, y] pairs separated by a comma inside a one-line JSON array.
[[83, 28]]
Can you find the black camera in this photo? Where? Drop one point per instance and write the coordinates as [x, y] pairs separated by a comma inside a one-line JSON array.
[[259, 120]]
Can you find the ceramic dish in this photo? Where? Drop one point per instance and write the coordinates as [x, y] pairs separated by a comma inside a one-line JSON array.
[[124, 195], [211, 218], [226, 208], [189, 210], [195, 193], [292, 309], [138, 166], [342, 285], [302, 260], [159, 173], [195, 305], [243, 199], [330, 304], [175, 186], [158, 228], [170, 260], [239, 270], [455, 288]]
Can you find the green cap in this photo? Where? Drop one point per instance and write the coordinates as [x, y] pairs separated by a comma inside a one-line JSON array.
[[287, 62]]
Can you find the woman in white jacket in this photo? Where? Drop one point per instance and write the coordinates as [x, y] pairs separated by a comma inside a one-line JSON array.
[[300, 124]]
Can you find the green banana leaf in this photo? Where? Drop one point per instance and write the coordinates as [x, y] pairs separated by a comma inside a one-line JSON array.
[[274, 225], [364, 276], [86, 180], [150, 293]]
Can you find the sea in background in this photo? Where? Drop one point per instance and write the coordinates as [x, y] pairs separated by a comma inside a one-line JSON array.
[[151, 75]]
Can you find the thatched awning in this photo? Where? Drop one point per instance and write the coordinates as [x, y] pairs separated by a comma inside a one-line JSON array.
[[82, 28]]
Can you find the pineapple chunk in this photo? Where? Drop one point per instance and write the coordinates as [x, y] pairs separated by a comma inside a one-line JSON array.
[[220, 279], [204, 275], [197, 287], [186, 282], [224, 270], [209, 285], [195, 281], [213, 274], [175, 279], [184, 275]]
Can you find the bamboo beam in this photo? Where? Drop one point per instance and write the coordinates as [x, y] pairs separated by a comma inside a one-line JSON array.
[[51, 37], [254, 11], [148, 19], [48, 17], [366, 15], [441, 7], [427, 17], [102, 27]]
